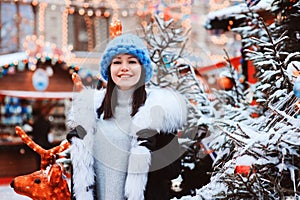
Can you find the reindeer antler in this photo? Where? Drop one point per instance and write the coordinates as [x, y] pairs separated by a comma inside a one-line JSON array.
[[47, 156]]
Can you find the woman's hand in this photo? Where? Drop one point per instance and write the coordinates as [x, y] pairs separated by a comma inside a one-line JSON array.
[[78, 132], [147, 138]]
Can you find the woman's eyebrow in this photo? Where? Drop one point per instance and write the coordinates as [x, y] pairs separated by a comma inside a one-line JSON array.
[[117, 57], [132, 57]]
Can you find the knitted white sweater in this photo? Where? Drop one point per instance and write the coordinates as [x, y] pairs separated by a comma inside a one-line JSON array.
[[112, 149]]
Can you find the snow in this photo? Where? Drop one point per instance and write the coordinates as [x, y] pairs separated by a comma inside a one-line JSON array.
[[237, 9], [11, 58], [245, 160]]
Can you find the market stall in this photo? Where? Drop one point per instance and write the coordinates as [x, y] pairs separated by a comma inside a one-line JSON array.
[[28, 87]]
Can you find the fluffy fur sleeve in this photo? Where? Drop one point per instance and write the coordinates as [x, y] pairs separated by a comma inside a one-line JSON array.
[[164, 110], [83, 109]]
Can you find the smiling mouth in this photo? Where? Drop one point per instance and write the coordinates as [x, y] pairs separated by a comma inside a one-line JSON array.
[[124, 76]]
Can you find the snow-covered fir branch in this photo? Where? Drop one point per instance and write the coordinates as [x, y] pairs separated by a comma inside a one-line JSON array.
[[259, 158]]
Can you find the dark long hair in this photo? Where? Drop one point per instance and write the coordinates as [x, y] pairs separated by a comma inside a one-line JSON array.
[[109, 102]]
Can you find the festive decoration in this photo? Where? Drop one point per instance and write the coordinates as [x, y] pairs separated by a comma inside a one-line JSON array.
[[47, 156], [45, 184], [296, 88], [243, 170], [40, 79], [225, 83], [269, 140], [115, 28], [38, 51], [167, 41]]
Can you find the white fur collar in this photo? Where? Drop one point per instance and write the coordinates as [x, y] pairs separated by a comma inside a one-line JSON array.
[[164, 110]]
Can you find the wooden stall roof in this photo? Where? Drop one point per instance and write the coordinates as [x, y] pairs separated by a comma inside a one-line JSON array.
[[60, 81], [19, 84]]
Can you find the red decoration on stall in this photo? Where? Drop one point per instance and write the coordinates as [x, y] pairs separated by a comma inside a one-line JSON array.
[[49, 182]]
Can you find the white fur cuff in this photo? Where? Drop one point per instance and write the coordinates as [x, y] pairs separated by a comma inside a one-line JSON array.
[[83, 173], [138, 168]]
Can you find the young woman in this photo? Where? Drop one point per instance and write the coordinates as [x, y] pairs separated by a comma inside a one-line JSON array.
[[125, 144]]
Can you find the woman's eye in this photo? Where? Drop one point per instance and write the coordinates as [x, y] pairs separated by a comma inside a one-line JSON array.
[[132, 62], [116, 62]]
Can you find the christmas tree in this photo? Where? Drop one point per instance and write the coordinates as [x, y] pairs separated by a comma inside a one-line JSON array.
[[258, 158], [254, 128], [166, 40]]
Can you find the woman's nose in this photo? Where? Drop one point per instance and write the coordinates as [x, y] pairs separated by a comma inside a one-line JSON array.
[[124, 68]]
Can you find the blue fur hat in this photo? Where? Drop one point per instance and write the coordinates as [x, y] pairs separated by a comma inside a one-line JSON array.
[[126, 44]]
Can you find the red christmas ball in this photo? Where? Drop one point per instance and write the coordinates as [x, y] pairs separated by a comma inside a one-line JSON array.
[[243, 170], [225, 83]]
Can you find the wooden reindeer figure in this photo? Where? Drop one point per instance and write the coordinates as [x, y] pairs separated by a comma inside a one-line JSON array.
[[48, 183]]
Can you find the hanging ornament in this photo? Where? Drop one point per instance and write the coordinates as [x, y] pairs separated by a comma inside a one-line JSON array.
[[243, 170], [21, 66], [225, 83], [40, 80], [244, 165], [11, 70], [115, 28], [49, 71], [296, 88]]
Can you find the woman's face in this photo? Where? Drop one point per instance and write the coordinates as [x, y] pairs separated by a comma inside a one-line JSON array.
[[125, 71]]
